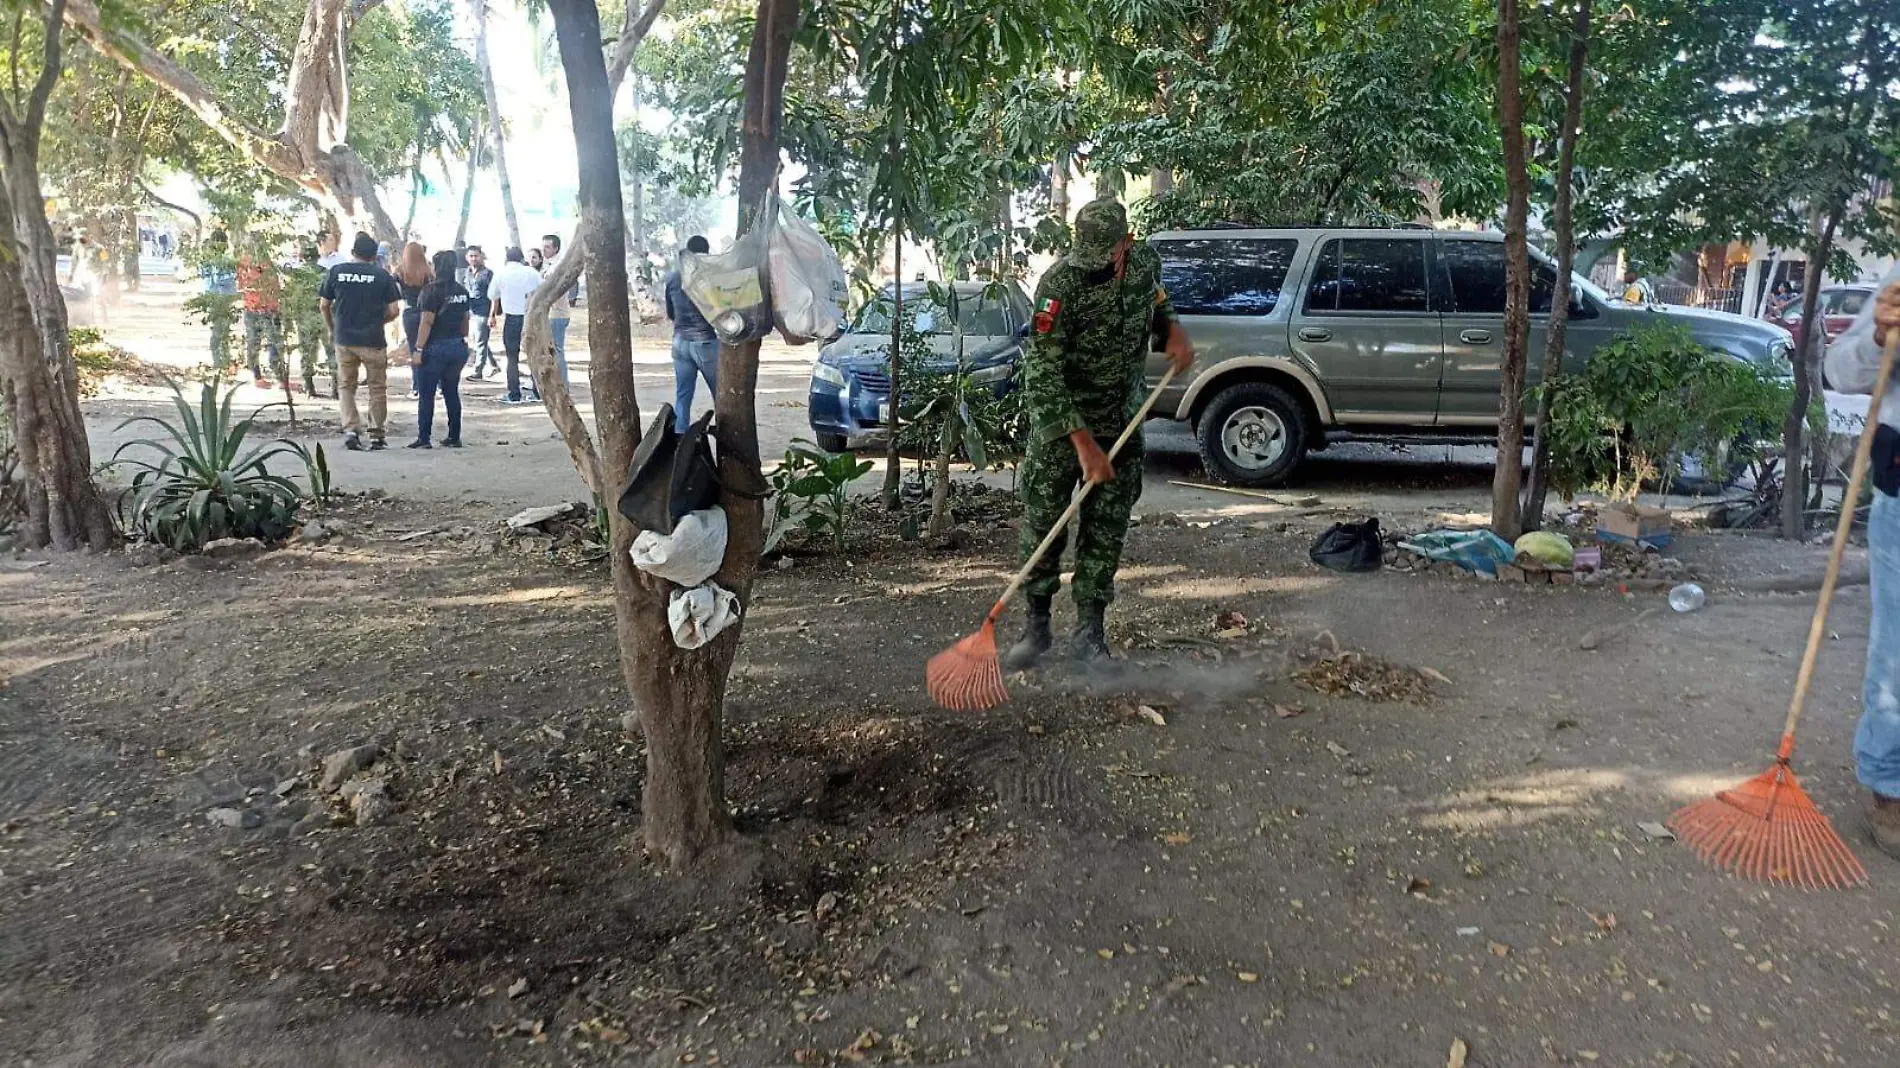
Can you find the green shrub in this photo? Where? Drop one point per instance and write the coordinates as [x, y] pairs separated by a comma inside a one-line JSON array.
[[1649, 399], [810, 493], [202, 484]]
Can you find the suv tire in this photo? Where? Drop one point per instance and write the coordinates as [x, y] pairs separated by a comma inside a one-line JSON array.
[[832, 443], [1252, 434]]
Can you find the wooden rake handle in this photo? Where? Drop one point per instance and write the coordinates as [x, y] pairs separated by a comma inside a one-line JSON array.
[[1075, 502], [1863, 455]]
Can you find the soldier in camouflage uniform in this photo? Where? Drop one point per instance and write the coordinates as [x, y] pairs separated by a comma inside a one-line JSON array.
[[1098, 312], [306, 318]]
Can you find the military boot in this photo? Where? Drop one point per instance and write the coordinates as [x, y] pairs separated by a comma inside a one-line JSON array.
[[1089, 643], [1036, 638]]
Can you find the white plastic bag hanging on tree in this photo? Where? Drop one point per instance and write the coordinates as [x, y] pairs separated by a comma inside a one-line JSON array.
[[688, 556], [699, 614], [809, 288]]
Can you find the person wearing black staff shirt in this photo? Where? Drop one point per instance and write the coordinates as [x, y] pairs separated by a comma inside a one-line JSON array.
[[440, 351], [477, 280], [359, 300]]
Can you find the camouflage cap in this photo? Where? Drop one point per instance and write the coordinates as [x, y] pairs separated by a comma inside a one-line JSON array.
[[1099, 227]]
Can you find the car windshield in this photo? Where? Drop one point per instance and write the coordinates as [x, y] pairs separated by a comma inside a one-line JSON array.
[[1582, 283], [982, 316], [1844, 302]]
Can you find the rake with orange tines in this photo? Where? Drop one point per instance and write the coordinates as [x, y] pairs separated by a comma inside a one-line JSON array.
[[1767, 829], [967, 676]]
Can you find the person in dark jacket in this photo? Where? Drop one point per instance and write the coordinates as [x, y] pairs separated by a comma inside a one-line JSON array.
[[440, 351], [695, 346], [477, 279]]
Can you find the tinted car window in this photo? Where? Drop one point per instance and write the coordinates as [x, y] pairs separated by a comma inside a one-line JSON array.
[[1475, 271], [1370, 275], [982, 316], [1843, 301], [1225, 276]]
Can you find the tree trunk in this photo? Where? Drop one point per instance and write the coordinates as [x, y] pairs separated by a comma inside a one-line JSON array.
[[1807, 371], [893, 461], [415, 194], [494, 121], [38, 381], [1506, 515], [679, 693], [1563, 229], [1059, 189], [309, 150], [468, 187]]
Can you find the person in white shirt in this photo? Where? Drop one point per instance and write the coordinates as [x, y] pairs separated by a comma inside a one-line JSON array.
[[513, 287], [330, 251], [1853, 363], [562, 309]]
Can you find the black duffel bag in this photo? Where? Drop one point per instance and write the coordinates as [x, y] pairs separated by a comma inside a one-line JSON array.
[[673, 474], [1350, 547]]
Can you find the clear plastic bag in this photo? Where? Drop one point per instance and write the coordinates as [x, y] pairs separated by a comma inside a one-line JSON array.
[[809, 288], [688, 556], [728, 287]]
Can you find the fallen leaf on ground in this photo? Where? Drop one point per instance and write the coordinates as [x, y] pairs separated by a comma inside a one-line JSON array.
[[1288, 711], [1338, 750], [1152, 715], [1605, 921], [1459, 1052], [1177, 838], [1229, 620], [1435, 675], [1418, 886], [1247, 977], [518, 987], [1499, 949], [1655, 831], [1231, 632]]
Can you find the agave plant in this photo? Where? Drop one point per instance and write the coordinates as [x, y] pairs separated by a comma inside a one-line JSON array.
[[202, 484]]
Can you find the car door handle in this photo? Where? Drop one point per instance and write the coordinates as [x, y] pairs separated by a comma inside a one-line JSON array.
[[1475, 337], [1315, 333]]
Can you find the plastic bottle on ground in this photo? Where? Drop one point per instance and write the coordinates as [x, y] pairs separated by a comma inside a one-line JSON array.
[[1687, 597]]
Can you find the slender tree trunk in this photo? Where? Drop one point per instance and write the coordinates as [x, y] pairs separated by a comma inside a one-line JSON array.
[[493, 100], [1059, 188], [638, 183], [893, 460], [1161, 179], [679, 692], [415, 194], [1564, 232], [468, 186], [1807, 371], [1506, 515]]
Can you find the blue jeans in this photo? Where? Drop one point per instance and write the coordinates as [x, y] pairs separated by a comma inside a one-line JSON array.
[[558, 327], [692, 359], [1877, 742], [441, 369]]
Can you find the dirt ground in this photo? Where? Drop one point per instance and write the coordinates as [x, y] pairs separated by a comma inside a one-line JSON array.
[[1319, 820]]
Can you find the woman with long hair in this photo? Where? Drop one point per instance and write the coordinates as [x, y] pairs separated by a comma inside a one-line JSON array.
[[441, 351], [535, 260], [412, 274]]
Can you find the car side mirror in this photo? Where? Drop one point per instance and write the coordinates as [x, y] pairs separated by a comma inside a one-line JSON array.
[[1022, 332]]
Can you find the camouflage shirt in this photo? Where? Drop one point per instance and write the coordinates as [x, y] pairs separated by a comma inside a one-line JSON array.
[[1088, 356]]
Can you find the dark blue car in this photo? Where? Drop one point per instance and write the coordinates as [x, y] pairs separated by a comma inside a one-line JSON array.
[[851, 382]]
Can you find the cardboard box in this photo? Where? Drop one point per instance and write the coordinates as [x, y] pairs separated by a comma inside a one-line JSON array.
[[1635, 524]]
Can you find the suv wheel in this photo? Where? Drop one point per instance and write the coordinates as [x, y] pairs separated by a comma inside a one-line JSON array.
[[832, 443], [1252, 434]]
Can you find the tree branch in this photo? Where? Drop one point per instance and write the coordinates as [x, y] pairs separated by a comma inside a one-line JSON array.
[[633, 30], [197, 224], [136, 55]]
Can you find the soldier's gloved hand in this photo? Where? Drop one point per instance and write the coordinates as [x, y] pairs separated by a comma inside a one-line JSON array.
[[1095, 465], [1886, 313], [1179, 349]]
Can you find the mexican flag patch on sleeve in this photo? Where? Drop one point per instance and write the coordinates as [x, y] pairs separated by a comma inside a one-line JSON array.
[[1046, 312]]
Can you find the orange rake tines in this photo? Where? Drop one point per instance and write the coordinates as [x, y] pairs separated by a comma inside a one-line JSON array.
[[967, 677], [1767, 829]]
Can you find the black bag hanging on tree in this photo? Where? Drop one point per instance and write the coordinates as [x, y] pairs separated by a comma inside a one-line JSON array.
[[673, 474], [1350, 547]]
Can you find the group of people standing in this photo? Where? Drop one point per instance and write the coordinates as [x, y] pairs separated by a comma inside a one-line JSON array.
[[443, 302]]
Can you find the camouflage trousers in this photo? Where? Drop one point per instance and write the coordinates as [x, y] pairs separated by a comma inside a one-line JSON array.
[[1049, 476], [314, 348]]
